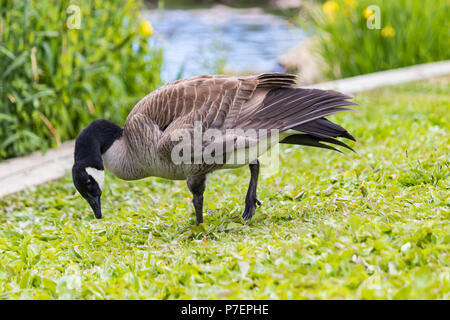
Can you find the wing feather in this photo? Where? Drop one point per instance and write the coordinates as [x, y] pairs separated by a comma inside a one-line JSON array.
[[266, 101]]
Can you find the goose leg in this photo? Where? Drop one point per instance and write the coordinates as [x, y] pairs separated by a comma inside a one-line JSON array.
[[250, 200], [196, 185]]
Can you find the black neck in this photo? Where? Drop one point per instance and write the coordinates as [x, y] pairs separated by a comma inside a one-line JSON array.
[[94, 140]]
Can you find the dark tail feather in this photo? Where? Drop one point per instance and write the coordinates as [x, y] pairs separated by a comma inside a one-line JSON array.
[[312, 141], [304, 110], [324, 128]]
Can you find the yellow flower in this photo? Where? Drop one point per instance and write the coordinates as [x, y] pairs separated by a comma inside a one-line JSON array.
[[387, 32], [329, 8], [351, 3], [147, 28], [368, 13]]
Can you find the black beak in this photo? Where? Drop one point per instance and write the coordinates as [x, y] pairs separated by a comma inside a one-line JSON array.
[[95, 205]]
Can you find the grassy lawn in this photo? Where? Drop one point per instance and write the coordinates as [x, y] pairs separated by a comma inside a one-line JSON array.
[[359, 226]]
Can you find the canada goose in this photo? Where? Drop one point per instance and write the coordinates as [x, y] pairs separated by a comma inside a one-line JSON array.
[[145, 146]]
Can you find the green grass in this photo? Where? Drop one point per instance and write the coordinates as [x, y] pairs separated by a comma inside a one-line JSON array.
[[368, 225]]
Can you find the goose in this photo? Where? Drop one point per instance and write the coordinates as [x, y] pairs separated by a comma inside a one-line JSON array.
[[227, 106]]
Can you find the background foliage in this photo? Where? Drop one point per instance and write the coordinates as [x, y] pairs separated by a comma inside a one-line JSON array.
[[55, 80], [412, 32]]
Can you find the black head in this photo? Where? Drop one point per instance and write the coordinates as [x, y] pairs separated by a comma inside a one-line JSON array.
[[89, 183], [87, 172]]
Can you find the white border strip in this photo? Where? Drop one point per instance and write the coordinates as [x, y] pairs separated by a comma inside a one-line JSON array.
[[20, 173], [386, 78]]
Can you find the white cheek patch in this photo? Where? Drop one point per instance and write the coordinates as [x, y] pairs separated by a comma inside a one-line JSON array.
[[97, 175]]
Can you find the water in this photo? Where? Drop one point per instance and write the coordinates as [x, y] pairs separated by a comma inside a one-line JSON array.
[[228, 40]]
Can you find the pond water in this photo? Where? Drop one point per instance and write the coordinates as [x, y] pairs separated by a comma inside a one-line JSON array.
[[208, 41]]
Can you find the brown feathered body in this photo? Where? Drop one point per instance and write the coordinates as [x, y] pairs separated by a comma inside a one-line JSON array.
[[266, 101]]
